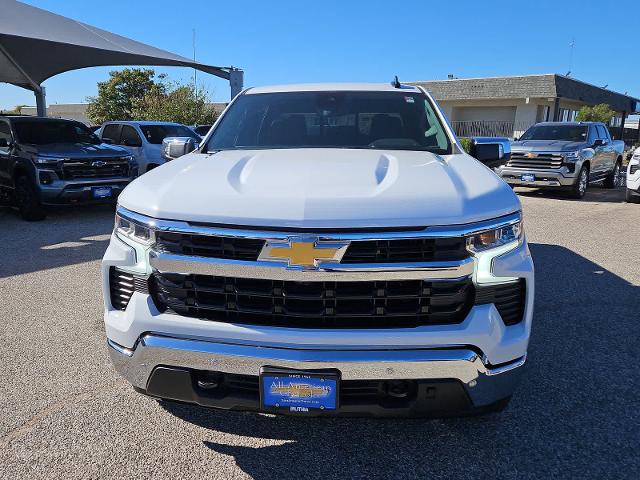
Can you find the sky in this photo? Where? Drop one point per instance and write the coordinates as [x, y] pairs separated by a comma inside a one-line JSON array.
[[363, 41]]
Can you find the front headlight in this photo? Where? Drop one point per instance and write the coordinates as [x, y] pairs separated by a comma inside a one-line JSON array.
[[572, 156], [495, 238], [486, 245], [133, 230], [45, 160]]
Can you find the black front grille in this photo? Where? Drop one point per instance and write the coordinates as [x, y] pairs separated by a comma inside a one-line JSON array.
[[633, 169], [95, 168], [370, 304], [407, 250], [359, 251], [122, 285], [509, 299], [234, 248]]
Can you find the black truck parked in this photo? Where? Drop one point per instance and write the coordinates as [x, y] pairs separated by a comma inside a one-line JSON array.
[[47, 161]]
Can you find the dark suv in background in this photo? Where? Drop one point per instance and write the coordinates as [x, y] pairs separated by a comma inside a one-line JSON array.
[[46, 161]]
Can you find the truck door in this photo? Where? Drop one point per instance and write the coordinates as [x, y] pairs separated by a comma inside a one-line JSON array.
[[608, 151], [5, 154], [600, 153]]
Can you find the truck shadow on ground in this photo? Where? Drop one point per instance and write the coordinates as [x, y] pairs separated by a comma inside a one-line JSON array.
[[574, 415], [595, 193], [68, 236]]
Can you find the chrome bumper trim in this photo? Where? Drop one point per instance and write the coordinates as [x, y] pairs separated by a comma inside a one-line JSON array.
[[184, 264], [152, 350]]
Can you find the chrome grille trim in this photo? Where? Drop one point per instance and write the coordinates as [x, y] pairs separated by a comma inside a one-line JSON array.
[[171, 263], [542, 161], [430, 231]]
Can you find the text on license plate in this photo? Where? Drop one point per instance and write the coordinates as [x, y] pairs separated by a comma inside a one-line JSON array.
[[298, 392], [528, 177]]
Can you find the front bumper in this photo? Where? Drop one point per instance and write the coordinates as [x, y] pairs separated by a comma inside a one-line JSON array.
[[63, 192], [543, 178], [442, 381]]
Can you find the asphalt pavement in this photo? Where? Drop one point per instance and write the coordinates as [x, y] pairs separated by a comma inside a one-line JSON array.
[[65, 413]]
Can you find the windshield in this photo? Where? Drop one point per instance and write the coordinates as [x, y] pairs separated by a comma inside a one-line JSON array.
[[156, 133], [376, 120], [573, 133], [38, 132]]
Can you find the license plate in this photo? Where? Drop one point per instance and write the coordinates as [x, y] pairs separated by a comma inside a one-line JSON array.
[[102, 192], [298, 391], [528, 177]]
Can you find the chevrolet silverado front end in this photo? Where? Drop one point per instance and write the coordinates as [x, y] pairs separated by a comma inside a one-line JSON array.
[[329, 249]]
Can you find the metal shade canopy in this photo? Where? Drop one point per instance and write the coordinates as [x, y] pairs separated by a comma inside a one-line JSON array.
[[36, 44]]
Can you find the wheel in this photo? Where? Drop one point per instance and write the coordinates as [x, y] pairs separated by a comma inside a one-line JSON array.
[[580, 187], [631, 198], [28, 200], [613, 180]]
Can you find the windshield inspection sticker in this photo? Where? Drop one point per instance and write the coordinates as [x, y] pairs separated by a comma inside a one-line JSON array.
[[409, 99]]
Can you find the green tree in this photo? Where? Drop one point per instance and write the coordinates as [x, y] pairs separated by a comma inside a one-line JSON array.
[[599, 113], [176, 103], [136, 94], [118, 95]]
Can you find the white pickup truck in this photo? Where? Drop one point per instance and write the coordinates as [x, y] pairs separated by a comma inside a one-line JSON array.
[[327, 250]]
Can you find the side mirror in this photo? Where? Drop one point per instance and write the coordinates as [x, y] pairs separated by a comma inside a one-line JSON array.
[[174, 147], [4, 143], [492, 151], [516, 139], [599, 142]]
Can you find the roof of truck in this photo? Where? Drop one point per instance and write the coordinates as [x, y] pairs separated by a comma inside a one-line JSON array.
[[570, 123], [333, 87]]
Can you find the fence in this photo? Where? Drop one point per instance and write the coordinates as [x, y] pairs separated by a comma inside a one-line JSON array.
[[490, 128]]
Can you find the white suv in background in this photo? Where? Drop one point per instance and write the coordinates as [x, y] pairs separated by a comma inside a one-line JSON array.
[[144, 139], [633, 178]]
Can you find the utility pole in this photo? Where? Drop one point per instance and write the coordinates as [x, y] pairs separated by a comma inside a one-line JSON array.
[[571, 45], [195, 72]]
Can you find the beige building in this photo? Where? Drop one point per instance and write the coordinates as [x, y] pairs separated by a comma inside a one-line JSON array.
[[507, 106], [78, 111]]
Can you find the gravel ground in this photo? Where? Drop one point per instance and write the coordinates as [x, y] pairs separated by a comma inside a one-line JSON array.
[[64, 413]]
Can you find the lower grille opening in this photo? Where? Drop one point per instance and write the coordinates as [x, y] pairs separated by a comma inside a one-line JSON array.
[[385, 393], [122, 284], [509, 299], [370, 304]]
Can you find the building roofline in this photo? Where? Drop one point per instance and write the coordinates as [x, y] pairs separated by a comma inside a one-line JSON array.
[[412, 82]]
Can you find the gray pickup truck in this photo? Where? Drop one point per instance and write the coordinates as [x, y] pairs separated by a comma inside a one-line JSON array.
[[46, 161], [568, 155]]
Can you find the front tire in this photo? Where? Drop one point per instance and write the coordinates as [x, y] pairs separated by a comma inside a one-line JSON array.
[[631, 198], [582, 183], [28, 200], [613, 180]]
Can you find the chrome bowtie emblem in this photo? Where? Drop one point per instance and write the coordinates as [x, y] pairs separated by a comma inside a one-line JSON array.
[[98, 163], [307, 253]]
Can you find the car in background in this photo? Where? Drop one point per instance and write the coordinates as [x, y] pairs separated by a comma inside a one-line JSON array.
[[54, 161], [568, 155], [633, 178], [202, 130], [144, 139]]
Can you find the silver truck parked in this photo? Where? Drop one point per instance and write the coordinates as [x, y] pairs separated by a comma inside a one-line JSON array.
[[568, 155], [144, 139]]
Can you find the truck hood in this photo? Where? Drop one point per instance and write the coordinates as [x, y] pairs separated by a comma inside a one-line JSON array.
[[547, 146], [321, 188], [77, 150]]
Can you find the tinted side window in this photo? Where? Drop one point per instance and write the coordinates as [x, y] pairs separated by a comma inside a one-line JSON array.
[[5, 134], [129, 137], [112, 132], [601, 133]]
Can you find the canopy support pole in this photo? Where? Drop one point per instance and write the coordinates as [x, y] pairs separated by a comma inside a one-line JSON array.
[[236, 81], [41, 101]]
